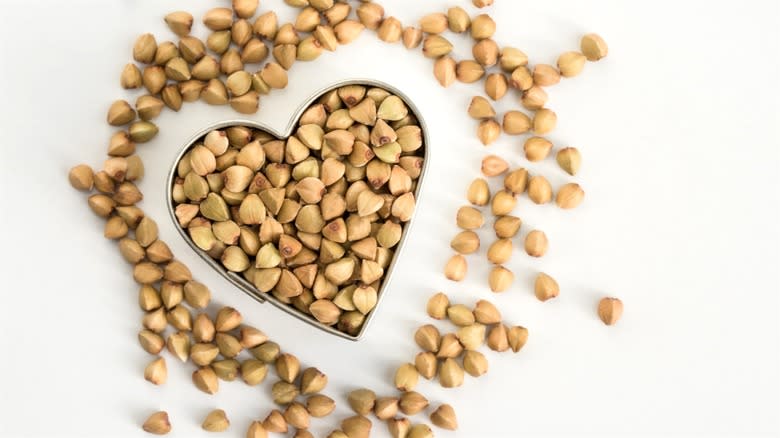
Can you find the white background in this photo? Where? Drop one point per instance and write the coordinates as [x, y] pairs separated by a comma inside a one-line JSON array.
[[679, 132]]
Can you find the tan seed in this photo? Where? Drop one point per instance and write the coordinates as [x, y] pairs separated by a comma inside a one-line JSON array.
[[177, 69], [436, 46], [218, 18], [571, 63], [545, 287], [460, 315], [386, 408], [469, 71], [465, 242], [475, 363], [275, 422], [486, 52], [471, 336], [313, 381], [507, 227], [480, 108], [534, 98], [428, 337], [357, 426], [297, 416], [546, 75], [120, 113], [539, 189], [153, 79], [287, 367], [478, 192], [497, 338], [150, 341], [486, 313], [216, 421], [536, 243], [434, 23], [131, 77], [516, 123], [426, 364], [569, 196], [420, 431], [361, 401], [336, 13], [81, 177], [165, 52], [593, 46], [412, 403], [521, 78], [371, 15], [469, 218], [610, 310], [320, 405], [390, 30], [144, 48], [517, 337], [493, 165], [500, 251], [256, 430], [283, 392], [500, 278], [348, 30], [226, 369], [148, 107], [227, 319], [202, 353], [437, 306], [482, 26], [458, 19], [496, 86], [156, 372], [406, 377], [569, 160], [450, 347], [444, 417], [488, 131], [180, 22], [544, 121], [325, 311], [456, 268], [148, 297], [537, 148], [206, 380], [512, 58], [411, 37], [157, 423], [179, 345], [444, 69], [450, 374]]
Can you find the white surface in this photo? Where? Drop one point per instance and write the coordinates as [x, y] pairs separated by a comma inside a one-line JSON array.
[[679, 132]]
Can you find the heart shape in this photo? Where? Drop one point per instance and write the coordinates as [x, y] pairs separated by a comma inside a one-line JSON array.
[[311, 219]]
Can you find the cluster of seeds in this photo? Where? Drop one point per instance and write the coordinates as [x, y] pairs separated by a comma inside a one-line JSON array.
[[447, 357], [365, 402], [517, 181], [505, 71], [313, 219], [223, 349], [475, 327], [173, 73], [506, 226]]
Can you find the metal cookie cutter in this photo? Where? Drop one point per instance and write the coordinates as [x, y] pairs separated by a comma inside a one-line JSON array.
[[248, 287]]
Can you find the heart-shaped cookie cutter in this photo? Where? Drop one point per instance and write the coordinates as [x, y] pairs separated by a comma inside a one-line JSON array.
[[248, 287]]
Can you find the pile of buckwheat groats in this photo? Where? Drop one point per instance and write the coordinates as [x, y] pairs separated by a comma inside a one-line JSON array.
[[173, 73]]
